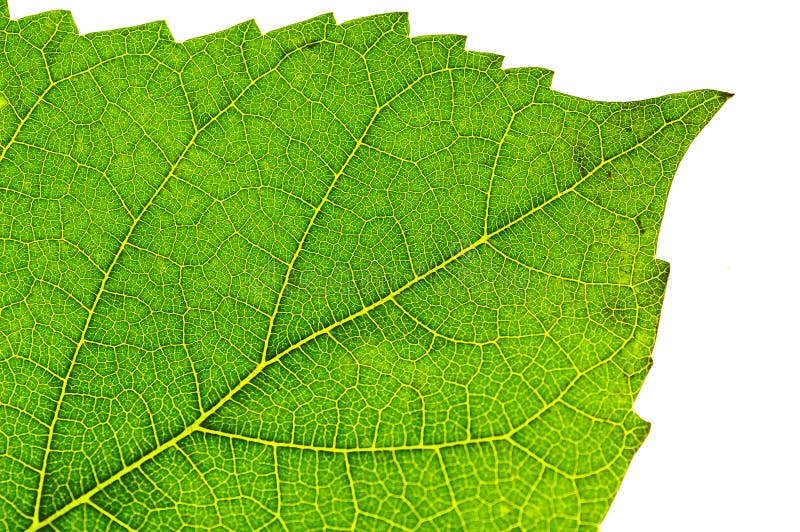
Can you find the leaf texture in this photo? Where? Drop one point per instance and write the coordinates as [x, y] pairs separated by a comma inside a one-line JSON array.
[[329, 277]]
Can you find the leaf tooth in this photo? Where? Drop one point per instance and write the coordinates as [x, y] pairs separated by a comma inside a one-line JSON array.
[[441, 51], [453, 41], [484, 60], [325, 18], [158, 29], [40, 27], [247, 27], [250, 25], [544, 76], [520, 85], [396, 21], [294, 35], [402, 23]]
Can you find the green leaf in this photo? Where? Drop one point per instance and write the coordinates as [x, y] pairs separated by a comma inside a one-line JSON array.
[[327, 277]]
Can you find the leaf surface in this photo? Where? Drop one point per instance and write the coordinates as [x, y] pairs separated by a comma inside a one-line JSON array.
[[329, 277]]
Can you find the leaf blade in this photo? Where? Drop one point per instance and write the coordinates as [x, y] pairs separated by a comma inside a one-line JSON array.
[[381, 352]]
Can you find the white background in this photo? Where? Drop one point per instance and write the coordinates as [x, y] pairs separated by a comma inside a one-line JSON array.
[[723, 393]]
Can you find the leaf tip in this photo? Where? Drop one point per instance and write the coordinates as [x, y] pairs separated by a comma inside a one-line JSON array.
[[720, 97]]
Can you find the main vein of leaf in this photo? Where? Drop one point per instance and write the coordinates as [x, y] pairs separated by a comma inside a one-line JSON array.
[[196, 426]]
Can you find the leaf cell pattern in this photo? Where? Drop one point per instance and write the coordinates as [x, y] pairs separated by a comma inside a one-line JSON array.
[[328, 277]]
